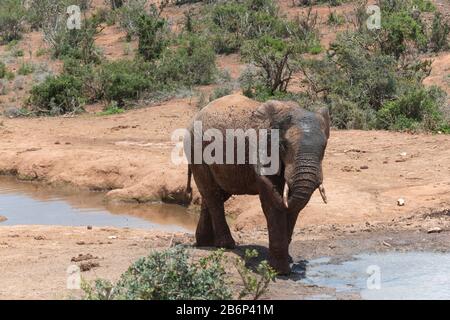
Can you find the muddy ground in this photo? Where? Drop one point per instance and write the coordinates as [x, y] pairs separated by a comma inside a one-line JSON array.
[[35, 258]]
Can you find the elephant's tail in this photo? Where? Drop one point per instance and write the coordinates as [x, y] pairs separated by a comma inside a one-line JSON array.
[[188, 186]]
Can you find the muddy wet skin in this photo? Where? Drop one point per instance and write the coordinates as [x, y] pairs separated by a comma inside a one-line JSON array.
[[23, 203]]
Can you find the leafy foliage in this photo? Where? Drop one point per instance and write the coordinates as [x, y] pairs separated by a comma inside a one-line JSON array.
[[173, 275], [12, 16], [57, 95]]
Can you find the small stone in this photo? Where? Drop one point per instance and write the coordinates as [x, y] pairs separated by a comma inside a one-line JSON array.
[[401, 202], [434, 230], [86, 266], [89, 227], [112, 237], [403, 154], [364, 167], [386, 244]]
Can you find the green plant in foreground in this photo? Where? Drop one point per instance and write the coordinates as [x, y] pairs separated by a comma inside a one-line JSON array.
[[255, 285], [174, 275]]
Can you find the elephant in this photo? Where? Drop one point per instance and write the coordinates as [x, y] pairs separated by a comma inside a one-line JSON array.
[[303, 137]]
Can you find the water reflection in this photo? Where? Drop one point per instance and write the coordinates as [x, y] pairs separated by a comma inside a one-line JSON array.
[[26, 203]]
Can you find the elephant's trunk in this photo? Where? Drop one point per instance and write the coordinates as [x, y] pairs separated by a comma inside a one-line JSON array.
[[306, 178]]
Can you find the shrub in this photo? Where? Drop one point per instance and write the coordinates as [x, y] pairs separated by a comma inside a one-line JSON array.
[[230, 23], [173, 275], [78, 44], [276, 57], [129, 14], [57, 95], [365, 88], [439, 33], [192, 62], [124, 80], [111, 109], [3, 70], [153, 35], [165, 275], [25, 69], [220, 92], [417, 109], [335, 19], [12, 16], [115, 4]]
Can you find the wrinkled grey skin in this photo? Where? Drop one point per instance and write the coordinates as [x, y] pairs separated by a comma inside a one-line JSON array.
[[304, 137]]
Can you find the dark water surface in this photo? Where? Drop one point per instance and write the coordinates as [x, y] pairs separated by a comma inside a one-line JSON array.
[[26, 203]]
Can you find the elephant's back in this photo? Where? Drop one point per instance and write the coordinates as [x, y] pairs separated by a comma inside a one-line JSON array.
[[230, 112]]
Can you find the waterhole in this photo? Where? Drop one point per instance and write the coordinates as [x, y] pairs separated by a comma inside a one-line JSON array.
[[26, 203], [392, 275]]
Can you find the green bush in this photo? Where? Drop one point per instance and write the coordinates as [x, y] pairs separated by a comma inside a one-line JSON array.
[[25, 69], [168, 275], [365, 88], [122, 81], [173, 275], [230, 23], [439, 33], [276, 57], [417, 109], [78, 44], [397, 29], [129, 14], [12, 16], [57, 95], [3, 70], [191, 62], [220, 92], [153, 35]]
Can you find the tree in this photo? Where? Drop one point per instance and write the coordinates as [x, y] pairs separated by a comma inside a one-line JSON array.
[[275, 57]]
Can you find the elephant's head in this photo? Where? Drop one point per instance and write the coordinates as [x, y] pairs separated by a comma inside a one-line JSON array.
[[303, 139]]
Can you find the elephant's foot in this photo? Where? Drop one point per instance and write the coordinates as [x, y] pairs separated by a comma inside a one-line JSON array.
[[204, 240], [225, 242], [281, 267], [280, 263]]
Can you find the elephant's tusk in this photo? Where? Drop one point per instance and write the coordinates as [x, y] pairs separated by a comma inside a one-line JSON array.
[[286, 194], [323, 194]]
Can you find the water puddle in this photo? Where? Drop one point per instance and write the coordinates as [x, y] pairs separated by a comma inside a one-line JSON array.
[[25, 203], [392, 275]]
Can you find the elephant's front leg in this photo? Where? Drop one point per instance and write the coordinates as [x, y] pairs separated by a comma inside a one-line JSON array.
[[278, 237], [291, 221]]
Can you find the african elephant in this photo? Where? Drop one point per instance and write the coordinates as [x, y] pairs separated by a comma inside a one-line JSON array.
[[303, 137]]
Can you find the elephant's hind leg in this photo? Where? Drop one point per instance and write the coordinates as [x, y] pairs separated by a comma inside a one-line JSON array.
[[204, 234], [212, 219]]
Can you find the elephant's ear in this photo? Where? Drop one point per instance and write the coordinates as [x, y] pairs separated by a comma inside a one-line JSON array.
[[325, 114], [275, 113]]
